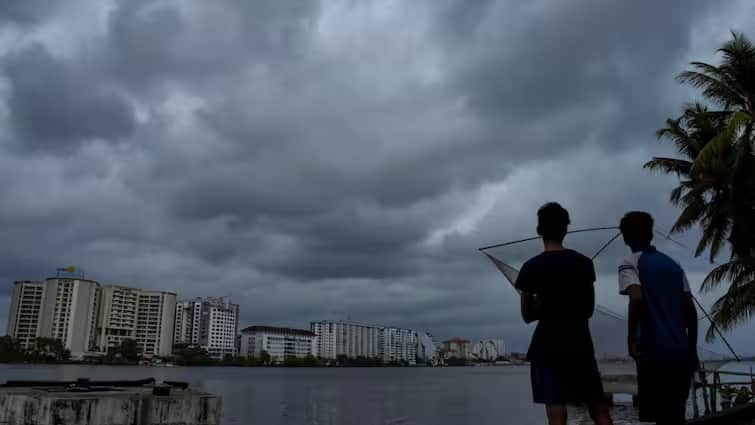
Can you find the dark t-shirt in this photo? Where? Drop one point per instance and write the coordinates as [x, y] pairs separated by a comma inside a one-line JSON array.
[[563, 282]]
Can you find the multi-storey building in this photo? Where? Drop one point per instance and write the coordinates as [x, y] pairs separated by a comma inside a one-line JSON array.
[[427, 349], [117, 317], [333, 338], [398, 345], [209, 323], [154, 323], [69, 313], [456, 348], [142, 315], [187, 322], [279, 343], [90, 319], [25, 311]]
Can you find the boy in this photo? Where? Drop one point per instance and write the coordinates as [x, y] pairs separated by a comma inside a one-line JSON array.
[[557, 291], [662, 334]]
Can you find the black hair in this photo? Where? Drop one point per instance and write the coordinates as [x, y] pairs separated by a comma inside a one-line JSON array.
[[637, 229], [552, 222]]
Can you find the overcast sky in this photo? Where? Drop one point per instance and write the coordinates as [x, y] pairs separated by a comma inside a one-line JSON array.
[[336, 159]]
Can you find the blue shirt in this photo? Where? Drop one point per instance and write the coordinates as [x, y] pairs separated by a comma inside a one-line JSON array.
[[663, 325]]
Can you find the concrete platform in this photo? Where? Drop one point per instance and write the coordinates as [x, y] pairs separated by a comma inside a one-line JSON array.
[[114, 406]]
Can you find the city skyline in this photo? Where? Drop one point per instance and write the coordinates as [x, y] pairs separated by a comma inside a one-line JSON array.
[[108, 290]]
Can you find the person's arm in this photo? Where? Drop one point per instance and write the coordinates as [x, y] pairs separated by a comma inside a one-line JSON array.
[[633, 321], [629, 285], [529, 313], [524, 284], [690, 318], [590, 301]]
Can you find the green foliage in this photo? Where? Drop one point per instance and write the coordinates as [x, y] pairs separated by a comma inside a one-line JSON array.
[[717, 174], [11, 350], [47, 349], [129, 349], [735, 396], [309, 361], [191, 356]]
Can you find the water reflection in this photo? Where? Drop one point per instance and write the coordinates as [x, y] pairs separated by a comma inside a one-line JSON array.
[[379, 396]]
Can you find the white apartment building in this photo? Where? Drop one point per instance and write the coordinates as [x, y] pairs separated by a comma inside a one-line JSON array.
[[333, 338], [25, 311], [279, 343], [398, 345], [117, 316], [69, 313], [427, 349], [209, 323], [154, 322], [187, 321], [88, 318], [145, 316]]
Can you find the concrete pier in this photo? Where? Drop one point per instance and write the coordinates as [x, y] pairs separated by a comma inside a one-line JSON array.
[[108, 406]]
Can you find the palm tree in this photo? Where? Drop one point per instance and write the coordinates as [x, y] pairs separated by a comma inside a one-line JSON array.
[[737, 306], [700, 195], [717, 173]]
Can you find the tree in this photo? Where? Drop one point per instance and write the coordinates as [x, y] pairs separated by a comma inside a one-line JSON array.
[[717, 187], [10, 350], [191, 356], [46, 349], [129, 349], [702, 194]]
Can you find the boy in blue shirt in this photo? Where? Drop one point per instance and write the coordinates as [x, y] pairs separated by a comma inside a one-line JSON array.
[[662, 334]]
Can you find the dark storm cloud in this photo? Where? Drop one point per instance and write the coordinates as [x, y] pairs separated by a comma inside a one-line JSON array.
[[606, 61], [153, 43], [55, 105], [333, 159], [24, 12]]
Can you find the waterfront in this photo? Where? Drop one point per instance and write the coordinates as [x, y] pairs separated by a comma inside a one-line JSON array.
[[344, 396]]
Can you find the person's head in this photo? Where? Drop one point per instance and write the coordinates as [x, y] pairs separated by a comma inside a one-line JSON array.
[[552, 222], [637, 229]]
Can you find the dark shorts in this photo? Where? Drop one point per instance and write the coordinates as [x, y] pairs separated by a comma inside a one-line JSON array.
[[663, 388], [575, 383]]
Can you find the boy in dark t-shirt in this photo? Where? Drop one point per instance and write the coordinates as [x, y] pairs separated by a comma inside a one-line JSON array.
[[557, 292]]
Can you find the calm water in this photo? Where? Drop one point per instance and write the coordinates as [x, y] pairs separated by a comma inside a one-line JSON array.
[[379, 396]]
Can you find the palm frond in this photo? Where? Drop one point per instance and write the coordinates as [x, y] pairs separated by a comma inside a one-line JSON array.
[[734, 308], [680, 167], [713, 88], [718, 145], [736, 271]]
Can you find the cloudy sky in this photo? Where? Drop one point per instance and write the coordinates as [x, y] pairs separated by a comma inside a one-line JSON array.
[[336, 159]]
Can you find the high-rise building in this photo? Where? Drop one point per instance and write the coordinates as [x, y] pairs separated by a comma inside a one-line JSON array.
[[333, 338], [117, 316], [69, 313], [25, 311], [145, 316], [209, 323], [427, 350], [90, 319], [279, 343], [154, 322], [187, 322], [398, 345]]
